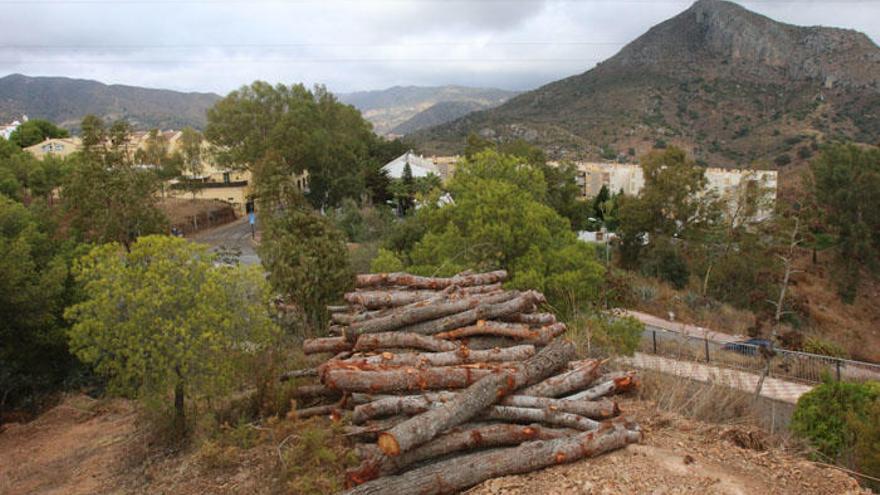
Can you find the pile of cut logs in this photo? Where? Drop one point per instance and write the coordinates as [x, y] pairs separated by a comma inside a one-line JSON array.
[[429, 368]]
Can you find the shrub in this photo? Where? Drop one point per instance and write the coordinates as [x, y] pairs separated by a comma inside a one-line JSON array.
[[666, 263], [822, 347], [825, 416], [386, 261], [607, 333]]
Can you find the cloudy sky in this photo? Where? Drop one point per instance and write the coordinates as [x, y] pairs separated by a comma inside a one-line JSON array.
[[218, 45]]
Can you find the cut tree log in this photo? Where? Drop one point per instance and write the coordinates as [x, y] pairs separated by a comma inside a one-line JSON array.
[[501, 329], [334, 410], [424, 312], [599, 409], [416, 282], [326, 344], [545, 416], [618, 383], [314, 392], [477, 397], [405, 378], [403, 340], [566, 383], [531, 318], [377, 299], [393, 405], [290, 375], [458, 473], [487, 310], [376, 464], [462, 355], [484, 343]]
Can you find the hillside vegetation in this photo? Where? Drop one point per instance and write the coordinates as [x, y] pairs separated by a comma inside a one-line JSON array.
[[729, 86]]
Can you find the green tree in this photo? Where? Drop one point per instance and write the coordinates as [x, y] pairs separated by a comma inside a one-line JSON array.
[[307, 260], [673, 203], [825, 415], [36, 131], [496, 221], [846, 182], [109, 198], [34, 289], [162, 318], [191, 158], [279, 132]]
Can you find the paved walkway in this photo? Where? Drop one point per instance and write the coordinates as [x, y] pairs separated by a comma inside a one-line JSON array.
[[683, 328], [773, 388]]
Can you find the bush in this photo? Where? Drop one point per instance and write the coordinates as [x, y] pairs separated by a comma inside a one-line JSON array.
[[822, 347], [606, 333], [307, 260], [826, 416], [385, 262], [666, 263]]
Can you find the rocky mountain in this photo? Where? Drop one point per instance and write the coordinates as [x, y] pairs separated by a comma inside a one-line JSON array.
[[65, 101], [730, 85], [389, 108]]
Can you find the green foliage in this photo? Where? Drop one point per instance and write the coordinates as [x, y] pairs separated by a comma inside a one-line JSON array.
[[24, 177], [496, 220], [307, 260], [317, 458], [847, 191], [34, 289], [362, 223], [866, 430], [815, 345], [107, 197], [606, 333], [162, 317], [36, 131], [664, 261], [386, 262], [279, 132], [825, 416]]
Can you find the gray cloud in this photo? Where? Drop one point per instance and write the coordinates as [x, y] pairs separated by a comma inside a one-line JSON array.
[[217, 45]]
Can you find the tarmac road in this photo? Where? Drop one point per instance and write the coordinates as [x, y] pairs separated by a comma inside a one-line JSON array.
[[233, 235]]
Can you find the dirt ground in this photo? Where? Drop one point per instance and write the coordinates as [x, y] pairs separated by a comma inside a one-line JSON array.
[[85, 446]]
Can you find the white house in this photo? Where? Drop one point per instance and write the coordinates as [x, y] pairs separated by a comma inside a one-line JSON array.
[[419, 165], [6, 130]]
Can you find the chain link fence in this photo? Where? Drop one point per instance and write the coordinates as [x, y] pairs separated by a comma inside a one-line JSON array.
[[784, 364]]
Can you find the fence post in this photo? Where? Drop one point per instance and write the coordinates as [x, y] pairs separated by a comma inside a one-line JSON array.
[[838, 369], [654, 336], [706, 341]]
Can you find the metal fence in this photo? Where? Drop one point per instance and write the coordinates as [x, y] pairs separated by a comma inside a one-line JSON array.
[[785, 364]]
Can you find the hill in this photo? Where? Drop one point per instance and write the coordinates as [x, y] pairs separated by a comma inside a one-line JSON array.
[[729, 85], [65, 101], [439, 113], [389, 108]]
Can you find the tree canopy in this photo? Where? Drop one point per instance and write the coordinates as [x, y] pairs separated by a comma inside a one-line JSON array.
[[36, 131], [163, 317], [279, 132]]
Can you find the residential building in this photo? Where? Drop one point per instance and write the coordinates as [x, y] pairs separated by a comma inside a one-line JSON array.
[[60, 147], [630, 179], [419, 165], [6, 130]]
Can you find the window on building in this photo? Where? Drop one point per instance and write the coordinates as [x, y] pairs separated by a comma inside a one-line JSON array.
[[226, 177]]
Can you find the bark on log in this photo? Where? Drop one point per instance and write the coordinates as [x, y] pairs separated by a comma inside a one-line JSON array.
[[314, 392], [424, 312], [390, 406], [376, 464], [531, 318], [565, 383], [326, 344], [484, 343], [403, 340], [601, 409], [416, 282], [378, 299], [487, 310], [462, 355], [328, 410], [290, 375], [500, 329], [477, 397], [617, 384], [405, 379], [546, 416], [337, 309], [458, 473], [371, 407]]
